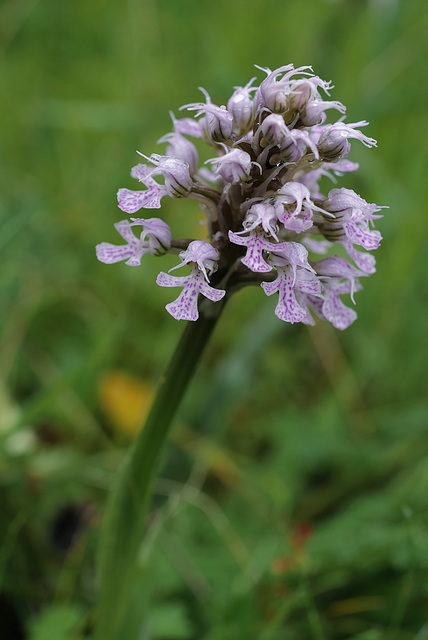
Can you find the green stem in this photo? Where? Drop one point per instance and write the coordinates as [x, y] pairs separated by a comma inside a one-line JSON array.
[[125, 518]]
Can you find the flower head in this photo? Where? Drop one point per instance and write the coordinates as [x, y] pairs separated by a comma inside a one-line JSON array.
[[266, 212]]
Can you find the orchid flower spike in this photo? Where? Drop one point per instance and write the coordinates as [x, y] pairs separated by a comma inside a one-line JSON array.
[[261, 192]]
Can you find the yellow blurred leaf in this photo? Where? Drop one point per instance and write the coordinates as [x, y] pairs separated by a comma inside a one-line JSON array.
[[357, 605], [125, 400]]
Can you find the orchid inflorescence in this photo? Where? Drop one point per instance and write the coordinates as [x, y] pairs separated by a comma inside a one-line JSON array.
[[261, 199]]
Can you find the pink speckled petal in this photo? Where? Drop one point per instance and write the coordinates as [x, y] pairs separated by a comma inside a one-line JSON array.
[[362, 235], [364, 261], [131, 201], [185, 307], [110, 253], [135, 259], [166, 280], [317, 246], [308, 283], [189, 127], [142, 172], [336, 312], [255, 244], [209, 292], [271, 287], [124, 228], [288, 309]]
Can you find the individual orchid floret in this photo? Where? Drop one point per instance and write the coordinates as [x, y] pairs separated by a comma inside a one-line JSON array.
[[346, 199], [296, 145], [219, 122], [305, 89], [287, 309], [186, 126], [287, 280], [298, 207], [235, 166], [339, 277], [182, 149], [313, 112], [185, 307], [272, 131], [256, 244], [203, 254], [131, 201], [241, 107], [155, 238], [263, 214], [178, 182], [329, 306], [275, 94], [352, 214], [333, 141]]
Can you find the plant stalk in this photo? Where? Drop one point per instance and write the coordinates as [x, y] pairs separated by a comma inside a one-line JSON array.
[[125, 520]]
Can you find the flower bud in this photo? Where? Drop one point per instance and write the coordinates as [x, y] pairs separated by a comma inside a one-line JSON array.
[[302, 91], [333, 144], [346, 199], [313, 112], [178, 182], [234, 166], [274, 130], [333, 141], [182, 149], [241, 106], [218, 121], [158, 234], [275, 94]]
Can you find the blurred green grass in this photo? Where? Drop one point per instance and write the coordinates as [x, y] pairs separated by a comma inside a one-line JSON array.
[[298, 427]]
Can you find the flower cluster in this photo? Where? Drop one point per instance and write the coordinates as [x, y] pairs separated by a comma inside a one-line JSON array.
[[266, 217]]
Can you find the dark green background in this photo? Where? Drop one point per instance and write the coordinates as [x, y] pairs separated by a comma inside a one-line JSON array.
[[291, 428]]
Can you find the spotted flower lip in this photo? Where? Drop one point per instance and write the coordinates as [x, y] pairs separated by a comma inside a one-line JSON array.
[[185, 307], [268, 219], [204, 257]]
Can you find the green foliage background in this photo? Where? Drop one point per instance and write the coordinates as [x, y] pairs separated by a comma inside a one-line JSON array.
[[293, 501]]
